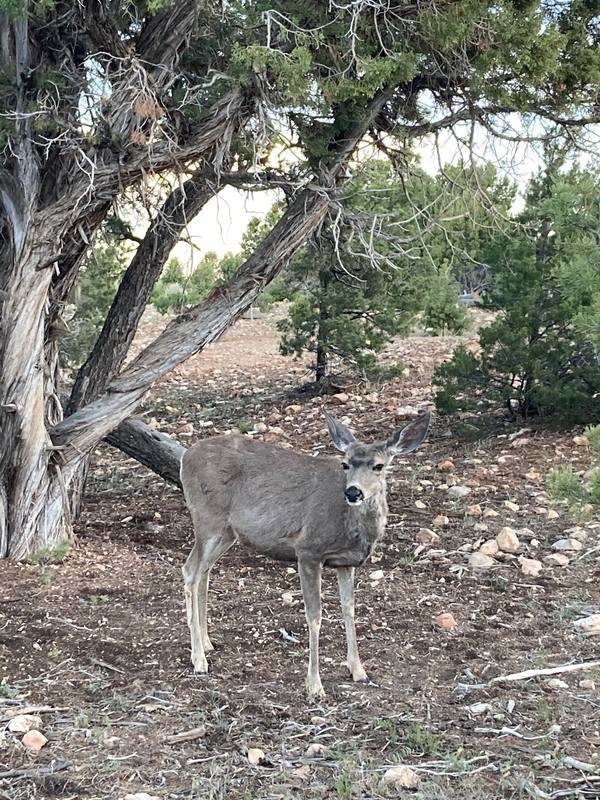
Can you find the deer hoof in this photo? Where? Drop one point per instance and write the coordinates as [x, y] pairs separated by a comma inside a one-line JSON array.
[[315, 691], [208, 646]]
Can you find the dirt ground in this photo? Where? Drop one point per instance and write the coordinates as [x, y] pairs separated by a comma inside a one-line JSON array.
[[100, 641]]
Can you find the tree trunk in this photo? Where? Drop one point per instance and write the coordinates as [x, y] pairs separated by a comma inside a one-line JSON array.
[[321, 363]]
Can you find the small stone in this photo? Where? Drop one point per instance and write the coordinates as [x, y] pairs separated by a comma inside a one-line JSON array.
[[140, 796], [445, 466], [580, 441], [292, 410], [533, 476], [372, 398], [34, 740], [531, 567], [186, 430], [479, 708], [588, 684], [489, 512], [446, 622], [420, 504], [287, 598], [479, 560], [508, 541], [261, 427], [302, 773], [557, 560], [275, 416], [24, 722], [427, 536], [573, 545], [556, 683], [441, 521], [340, 399], [256, 756], [578, 533], [315, 750], [474, 511], [589, 625], [514, 507], [401, 777], [481, 527], [376, 575], [489, 548], [407, 411], [320, 721], [552, 514], [458, 492]]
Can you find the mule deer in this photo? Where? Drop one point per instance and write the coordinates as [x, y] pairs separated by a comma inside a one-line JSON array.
[[292, 507]]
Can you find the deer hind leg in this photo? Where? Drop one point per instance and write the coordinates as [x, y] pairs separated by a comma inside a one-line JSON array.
[[345, 576], [310, 581], [196, 571]]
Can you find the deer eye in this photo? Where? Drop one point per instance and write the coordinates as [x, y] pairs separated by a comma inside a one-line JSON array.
[[345, 465], [378, 467]]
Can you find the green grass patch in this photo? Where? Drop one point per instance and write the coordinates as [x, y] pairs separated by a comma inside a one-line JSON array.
[[51, 555], [564, 484]]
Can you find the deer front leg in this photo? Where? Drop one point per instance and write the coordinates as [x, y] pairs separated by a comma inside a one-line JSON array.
[[310, 581], [345, 576]]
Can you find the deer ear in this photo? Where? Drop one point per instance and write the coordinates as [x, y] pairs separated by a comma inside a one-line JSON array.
[[410, 437], [341, 435]]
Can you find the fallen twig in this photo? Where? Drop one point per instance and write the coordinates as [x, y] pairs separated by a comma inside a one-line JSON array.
[[534, 673], [56, 766], [187, 736], [574, 763], [15, 712], [513, 732]]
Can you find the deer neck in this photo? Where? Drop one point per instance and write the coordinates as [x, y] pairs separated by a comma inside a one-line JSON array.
[[367, 521]]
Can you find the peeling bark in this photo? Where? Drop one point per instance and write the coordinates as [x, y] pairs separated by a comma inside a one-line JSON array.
[[153, 449]]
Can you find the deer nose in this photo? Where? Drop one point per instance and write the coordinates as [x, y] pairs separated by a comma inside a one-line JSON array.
[[353, 494]]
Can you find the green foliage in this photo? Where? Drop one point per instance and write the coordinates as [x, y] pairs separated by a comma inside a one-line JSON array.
[[593, 487], [592, 434], [7, 691], [174, 290], [563, 484], [91, 298], [536, 357], [51, 555], [443, 311]]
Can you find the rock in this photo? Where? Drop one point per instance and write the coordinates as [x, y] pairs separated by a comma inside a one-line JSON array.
[[339, 399], [589, 625], [275, 416], [407, 411], [458, 492], [531, 566], [479, 708], [580, 441], [255, 756], [489, 548], [293, 410], [315, 750], [186, 430], [557, 560], [260, 427], [552, 514], [578, 533], [420, 504], [481, 527], [474, 511], [446, 622], [514, 507], [588, 683], [287, 598], [302, 773], [441, 521], [508, 541], [316, 720], [445, 466], [373, 397], [34, 740], [489, 512], [141, 796], [427, 536], [533, 476], [572, 545], [401, 778], [24, 722], [376, 575], [556, 683], [479, 560]]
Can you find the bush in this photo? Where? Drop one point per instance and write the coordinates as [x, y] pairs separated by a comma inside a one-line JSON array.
[[563, 484], [443, 311], [174, 291], [537, 356]]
